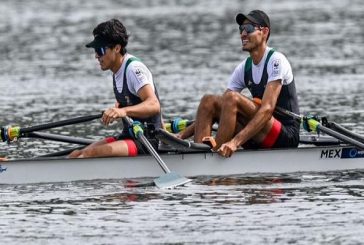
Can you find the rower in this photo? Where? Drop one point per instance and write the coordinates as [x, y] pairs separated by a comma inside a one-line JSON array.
[[134, 89], [267, 74]]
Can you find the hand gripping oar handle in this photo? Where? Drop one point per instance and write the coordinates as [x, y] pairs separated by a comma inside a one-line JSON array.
[[316, 126]]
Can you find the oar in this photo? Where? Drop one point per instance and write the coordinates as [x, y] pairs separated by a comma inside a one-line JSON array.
[[316, 126], [342, 130], [59, 138], [169, 179], [9, 133]]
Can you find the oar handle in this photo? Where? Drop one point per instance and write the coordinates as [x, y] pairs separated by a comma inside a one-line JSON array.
[[280, 110]]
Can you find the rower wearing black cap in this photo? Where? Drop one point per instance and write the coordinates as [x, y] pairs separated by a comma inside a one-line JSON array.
[[134, 89], [268, 76]]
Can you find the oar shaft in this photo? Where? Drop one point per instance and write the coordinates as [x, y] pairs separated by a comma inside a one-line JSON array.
[[344, 131], [288, 113], [324, 129], [141, 137], [151, 150], [60, 138], [60, 123], [340, 136]]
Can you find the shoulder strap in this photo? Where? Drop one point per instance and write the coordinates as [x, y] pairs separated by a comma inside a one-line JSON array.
[[248, 64], [129, 61], [249, 61], [268, 56]]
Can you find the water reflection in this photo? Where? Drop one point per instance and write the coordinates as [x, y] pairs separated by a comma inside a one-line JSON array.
[[254, 190], [249, 180]]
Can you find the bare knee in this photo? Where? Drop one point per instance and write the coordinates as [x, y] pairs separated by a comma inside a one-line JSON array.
[[88, 152], [234, 102], [210, 104], [231, 99], [75, 153]]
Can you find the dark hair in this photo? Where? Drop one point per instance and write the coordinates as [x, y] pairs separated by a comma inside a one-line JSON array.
[[114, 32]]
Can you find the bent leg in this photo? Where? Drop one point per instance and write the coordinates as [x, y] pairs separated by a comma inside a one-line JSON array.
[[238, 110], [208, 113]]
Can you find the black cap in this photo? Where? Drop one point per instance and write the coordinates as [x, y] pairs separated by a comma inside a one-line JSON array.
[[255, 16], [98, 42]]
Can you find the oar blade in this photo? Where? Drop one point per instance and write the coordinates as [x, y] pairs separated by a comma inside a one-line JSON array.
[[170, 180]]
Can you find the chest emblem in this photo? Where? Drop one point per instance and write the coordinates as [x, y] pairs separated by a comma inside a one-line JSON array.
[[127, 99]]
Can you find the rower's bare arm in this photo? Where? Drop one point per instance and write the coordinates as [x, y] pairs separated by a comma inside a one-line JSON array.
[[149, 106]]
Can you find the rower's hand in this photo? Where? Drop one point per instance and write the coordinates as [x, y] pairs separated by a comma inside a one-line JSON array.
[[112, 114], [227, 149]]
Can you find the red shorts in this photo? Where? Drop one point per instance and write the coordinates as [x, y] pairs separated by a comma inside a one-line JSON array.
[[132, 147], [280, 136], [273, 135]]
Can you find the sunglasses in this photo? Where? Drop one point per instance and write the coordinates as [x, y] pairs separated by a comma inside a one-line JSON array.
[[101, 51], [249, 28]]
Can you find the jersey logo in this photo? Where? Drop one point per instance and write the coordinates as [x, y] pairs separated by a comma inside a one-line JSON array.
[[138, 72], [128, 101], [276, 67]]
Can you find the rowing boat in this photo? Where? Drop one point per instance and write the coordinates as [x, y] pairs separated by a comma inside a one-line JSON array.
[[191, 164], [340, 150]]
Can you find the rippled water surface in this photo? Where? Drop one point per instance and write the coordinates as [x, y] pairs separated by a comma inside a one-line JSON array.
[[46, 74]]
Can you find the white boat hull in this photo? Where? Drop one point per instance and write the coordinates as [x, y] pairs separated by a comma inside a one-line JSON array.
[[187, 164]]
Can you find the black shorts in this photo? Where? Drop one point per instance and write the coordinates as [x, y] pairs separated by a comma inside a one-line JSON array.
[[288, 137]]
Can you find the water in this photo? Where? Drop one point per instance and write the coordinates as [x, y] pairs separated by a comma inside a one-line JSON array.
[[46, 74]]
